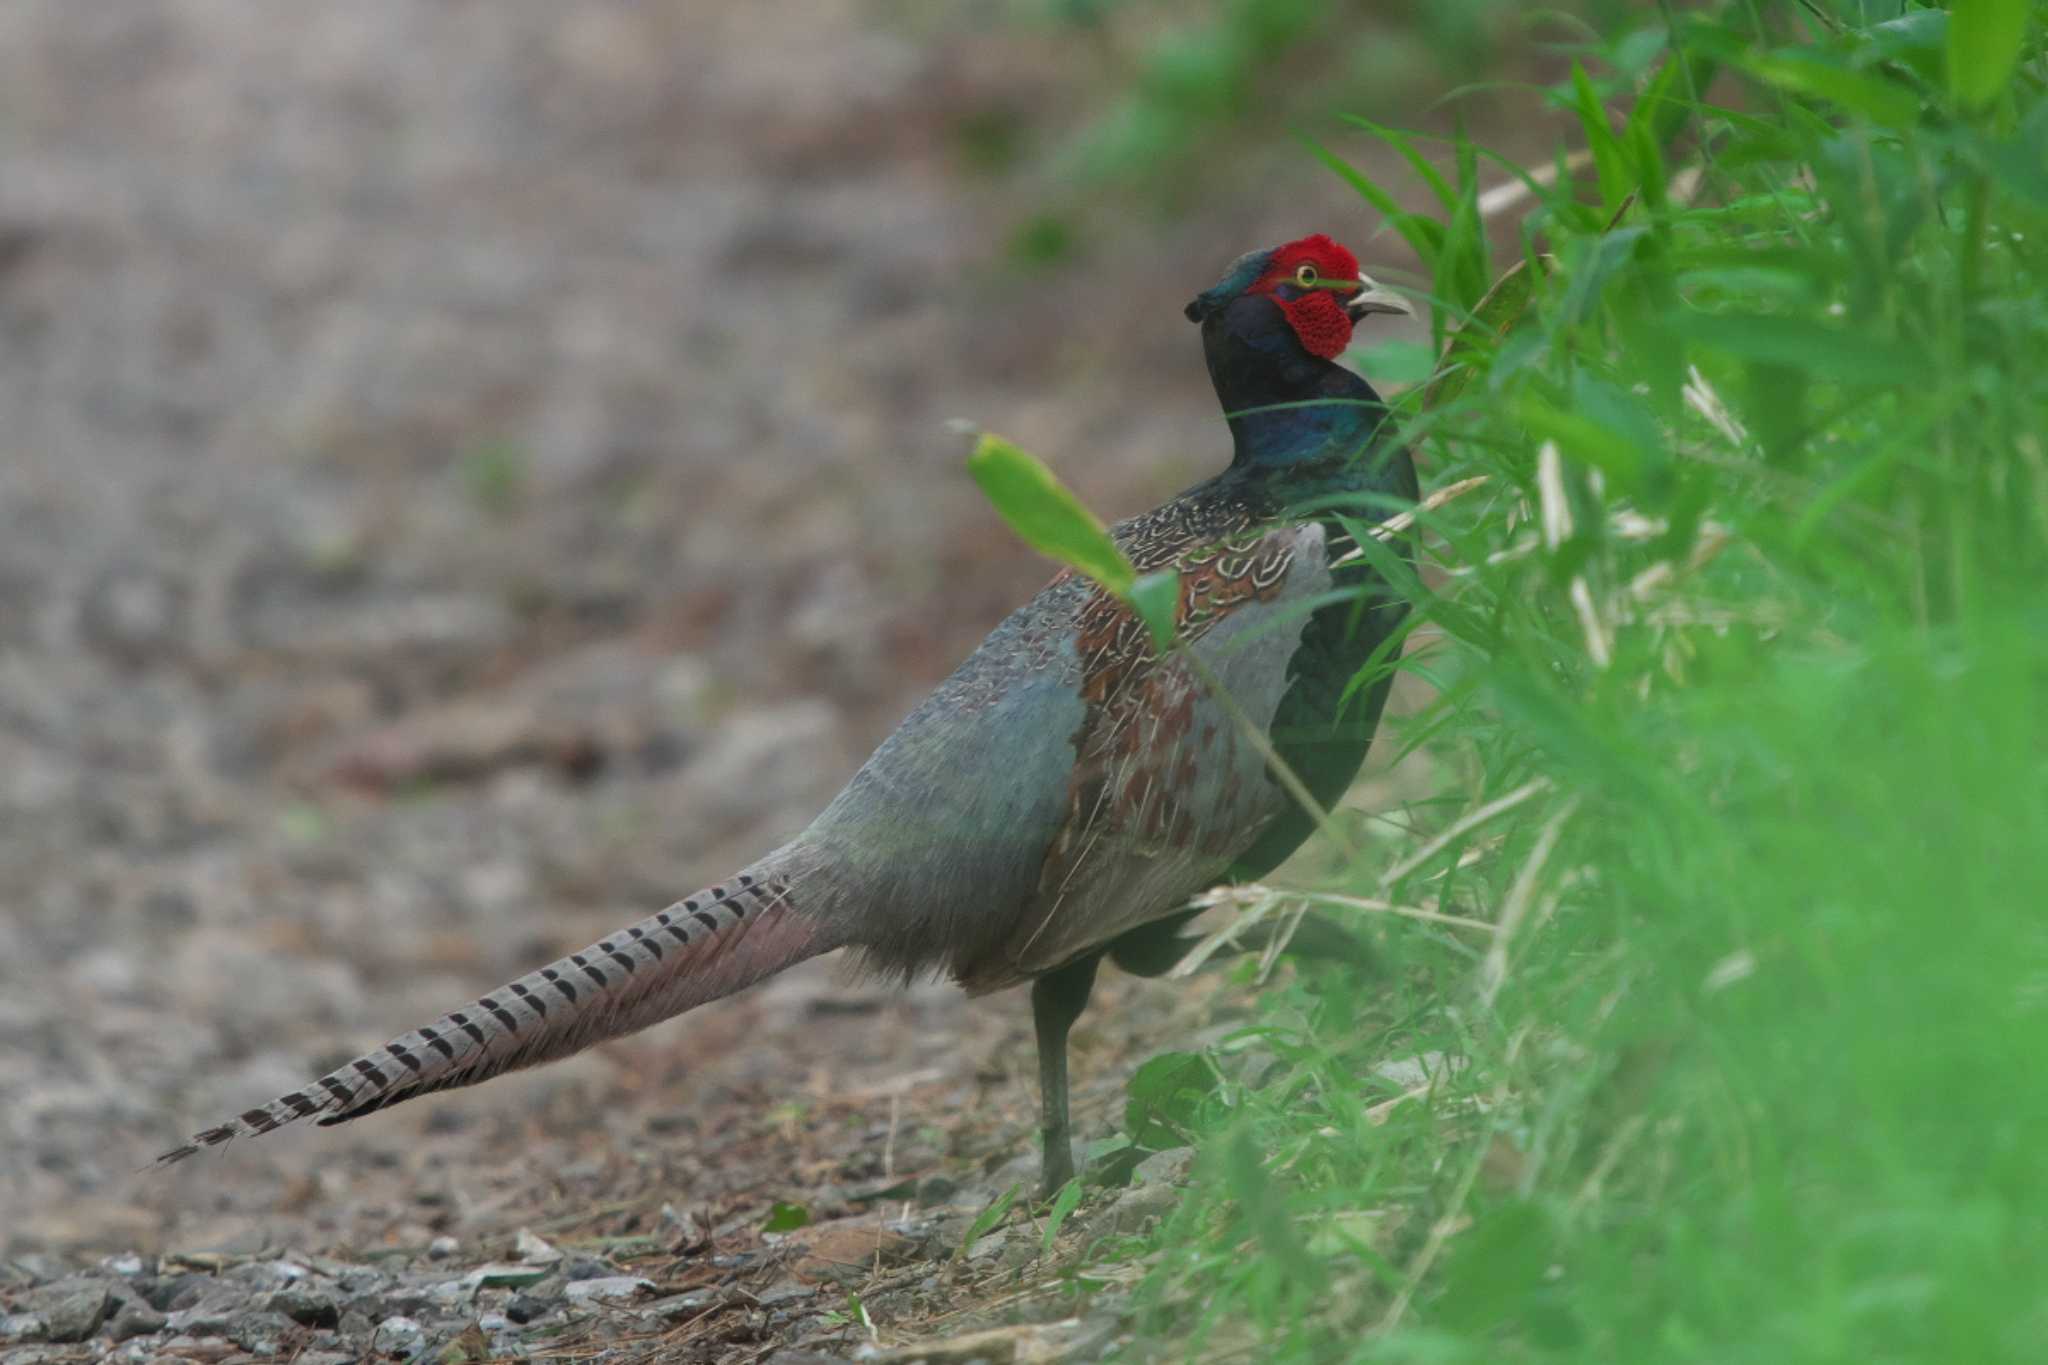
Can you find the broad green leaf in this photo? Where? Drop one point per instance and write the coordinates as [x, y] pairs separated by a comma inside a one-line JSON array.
[[1586, 441], [1498, 310], [1803, 73], [1397, 362], [1918, 39], [986, 1220], [1498, 1262], [1608, 160], [1063, 1204], [1851, 357], [1461, 267], [1164, 1095], [1046, 515], [1984, 42], [1265, 1210]]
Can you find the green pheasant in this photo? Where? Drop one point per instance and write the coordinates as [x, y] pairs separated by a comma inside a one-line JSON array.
[[1064, 793]]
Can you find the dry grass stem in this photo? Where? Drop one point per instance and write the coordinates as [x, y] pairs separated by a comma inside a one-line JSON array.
[[1493, 970], [1461, 826]]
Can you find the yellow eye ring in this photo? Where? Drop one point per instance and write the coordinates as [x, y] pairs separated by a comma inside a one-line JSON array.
[[1305, 276]]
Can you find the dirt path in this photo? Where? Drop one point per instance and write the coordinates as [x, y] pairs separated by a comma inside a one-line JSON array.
[[472, 474]]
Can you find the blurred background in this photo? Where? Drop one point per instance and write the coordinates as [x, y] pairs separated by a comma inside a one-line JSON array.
[[474, 472]]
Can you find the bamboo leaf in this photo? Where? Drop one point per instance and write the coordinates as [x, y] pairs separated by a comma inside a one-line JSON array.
[[1063, 1204], [1046, 515], [1984, 42], [1156, 599], [985, 1221], [1803, 73]]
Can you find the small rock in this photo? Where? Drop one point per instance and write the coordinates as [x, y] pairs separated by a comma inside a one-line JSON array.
[[127, 1265], [1137, 1208], [210, 1316], [137, 1320], [307, 1306], [176, 1291], [1169, 1167], [990, 1245], [530, 1246], [525, 1308], [260, 1333], [74, 1313], [687, 1305], [442, 1247], [24, 1327], [784, 1293], [609, 1288], [684, 1232], [400, 1337], [587, 1268], [397, 1301]]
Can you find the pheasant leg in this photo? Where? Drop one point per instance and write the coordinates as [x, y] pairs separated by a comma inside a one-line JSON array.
[[1057, 999]]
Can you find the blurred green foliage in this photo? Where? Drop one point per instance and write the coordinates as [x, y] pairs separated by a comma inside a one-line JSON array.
[[1735, 1045]]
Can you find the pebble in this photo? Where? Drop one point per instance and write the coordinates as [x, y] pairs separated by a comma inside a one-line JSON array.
[[609, 1288], [587, 1268], [525, 1308], [307, 1307], [442, 1247], [400, 1337], [1136, 1209], [530, 1246], [260, 1333], [72, 1311], [421, 1310], [683, 1305], [24, 1327], [137, 1320], [1169, 1167]]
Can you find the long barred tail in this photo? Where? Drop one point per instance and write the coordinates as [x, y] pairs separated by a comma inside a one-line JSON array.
[[699, 949]]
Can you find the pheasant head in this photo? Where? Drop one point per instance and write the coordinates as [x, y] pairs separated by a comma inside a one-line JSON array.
[[1272, 329], [1312, 285]]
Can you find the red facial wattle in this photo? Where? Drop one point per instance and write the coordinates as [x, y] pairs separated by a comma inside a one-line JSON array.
[[1315, 311], [1319, 321]]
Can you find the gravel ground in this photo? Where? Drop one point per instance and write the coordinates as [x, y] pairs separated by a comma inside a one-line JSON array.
[[472, 474]]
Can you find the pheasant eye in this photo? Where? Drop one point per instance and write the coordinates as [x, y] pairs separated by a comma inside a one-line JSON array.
[[1305, 276]]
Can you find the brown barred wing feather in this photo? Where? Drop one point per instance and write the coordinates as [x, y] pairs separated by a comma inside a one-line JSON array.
[[1167, 788]]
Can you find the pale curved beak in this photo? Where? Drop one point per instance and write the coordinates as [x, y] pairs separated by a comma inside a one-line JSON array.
[[1373, 298]]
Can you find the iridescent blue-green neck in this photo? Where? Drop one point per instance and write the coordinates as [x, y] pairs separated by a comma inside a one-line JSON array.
[[1301, 425]]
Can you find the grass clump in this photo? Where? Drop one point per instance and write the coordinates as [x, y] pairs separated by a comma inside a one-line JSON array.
[[1723, 1032]]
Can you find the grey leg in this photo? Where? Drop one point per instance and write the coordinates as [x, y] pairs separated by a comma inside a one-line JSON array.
[[1057, 999]]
